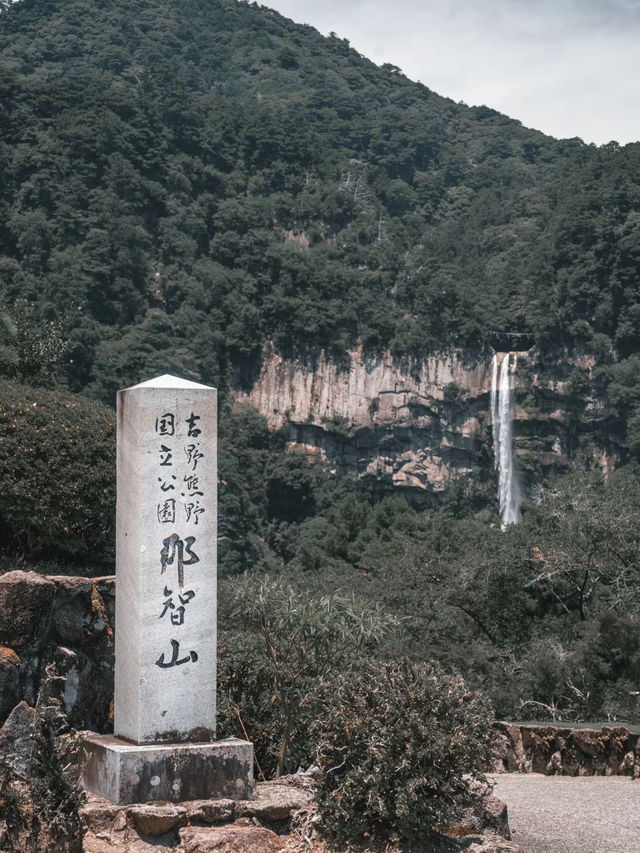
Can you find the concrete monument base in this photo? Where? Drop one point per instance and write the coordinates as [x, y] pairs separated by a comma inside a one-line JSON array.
[[125, 772]]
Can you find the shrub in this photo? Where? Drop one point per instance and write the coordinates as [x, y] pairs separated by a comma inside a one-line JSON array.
[[31, 349], [398, 746], [57, 475], [453, 393], [270, 670]]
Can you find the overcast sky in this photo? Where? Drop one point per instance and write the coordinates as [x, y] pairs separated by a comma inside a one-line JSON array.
[[566, 67]]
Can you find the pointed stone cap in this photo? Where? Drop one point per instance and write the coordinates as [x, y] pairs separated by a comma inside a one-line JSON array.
[[169, 381]]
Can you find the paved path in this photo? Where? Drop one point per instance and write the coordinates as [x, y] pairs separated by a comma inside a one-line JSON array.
[[565, 814]]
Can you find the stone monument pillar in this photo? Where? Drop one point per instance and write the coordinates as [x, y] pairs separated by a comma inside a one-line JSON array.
[[164, 746]]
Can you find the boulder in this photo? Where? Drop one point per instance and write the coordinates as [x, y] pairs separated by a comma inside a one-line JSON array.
[[510, 753], [17, 736], [122, 843], [79, 612], [274, 801], [102, 817], [210, 811], [152, 819], [554, 767], [495, 817], [229, 839], [9, 681], [540, 743], [25, 608], [85, 689], [487, 816]]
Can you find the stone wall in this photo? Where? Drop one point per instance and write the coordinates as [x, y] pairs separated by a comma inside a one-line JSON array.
[[555, 750], [417, 426], [282, 817], [57, 633]]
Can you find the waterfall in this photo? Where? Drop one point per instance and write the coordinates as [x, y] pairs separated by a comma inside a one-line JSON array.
[[502, 409]]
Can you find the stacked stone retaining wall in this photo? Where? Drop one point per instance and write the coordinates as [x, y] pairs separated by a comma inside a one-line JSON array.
[[555, 750], [56, 634]]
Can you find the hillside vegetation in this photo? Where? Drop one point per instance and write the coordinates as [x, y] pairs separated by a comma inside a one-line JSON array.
[[185, 184]]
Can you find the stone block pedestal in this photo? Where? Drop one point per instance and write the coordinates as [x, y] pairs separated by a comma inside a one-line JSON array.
[[125, 772]]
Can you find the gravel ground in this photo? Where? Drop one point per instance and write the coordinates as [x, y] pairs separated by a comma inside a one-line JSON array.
[[565, 814]]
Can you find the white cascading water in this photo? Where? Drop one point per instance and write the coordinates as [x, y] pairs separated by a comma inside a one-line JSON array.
[[502, 410]]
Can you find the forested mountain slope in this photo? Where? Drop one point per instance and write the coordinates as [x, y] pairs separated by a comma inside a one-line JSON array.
[[205, 188], [182, 182]]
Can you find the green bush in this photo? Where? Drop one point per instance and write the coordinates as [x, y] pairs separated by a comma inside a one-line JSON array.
[[31, 349], [286, 643], [57, 476], [398, 746]]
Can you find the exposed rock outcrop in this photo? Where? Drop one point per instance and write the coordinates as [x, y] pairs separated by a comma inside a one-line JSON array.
[[9, 680], [17, 737], [418, 426], [25, 608], [58, 631]]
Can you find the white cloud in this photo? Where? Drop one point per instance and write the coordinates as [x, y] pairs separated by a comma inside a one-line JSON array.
[[567, 67]]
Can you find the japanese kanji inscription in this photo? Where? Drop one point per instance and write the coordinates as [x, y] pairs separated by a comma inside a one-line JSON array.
[[166, 561]]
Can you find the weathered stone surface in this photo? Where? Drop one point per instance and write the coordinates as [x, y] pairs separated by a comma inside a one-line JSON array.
[[210, 811], [9, 681], [79, 613], [106, 586], [625, 768], [122, 842], [114, 829], [77, 608], [487, 816], [16, 736], [99, 816], [166, 522], [388, 421], [229, 839], [496, 818], [274, 801], [86, 690], [510, 750], [156, 819], [25, 608], [138, 773], [557, 750], [554, 767]]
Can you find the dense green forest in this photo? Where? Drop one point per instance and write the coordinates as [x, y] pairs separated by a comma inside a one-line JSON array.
[[185, 185], [182, 183]]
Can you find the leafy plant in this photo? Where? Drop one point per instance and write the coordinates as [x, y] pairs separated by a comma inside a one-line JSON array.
[[398, 748], [57, 475], [215, 178], [31, 349], [292, 641]]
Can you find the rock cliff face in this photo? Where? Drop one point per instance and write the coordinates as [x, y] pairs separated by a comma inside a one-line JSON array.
[[421, 426]]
